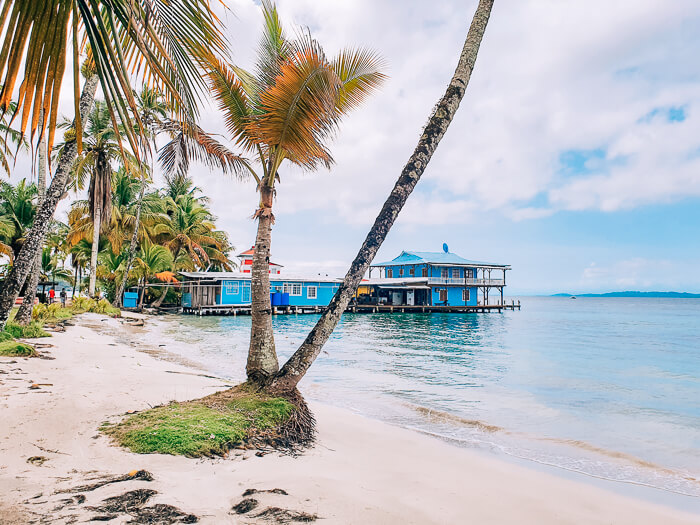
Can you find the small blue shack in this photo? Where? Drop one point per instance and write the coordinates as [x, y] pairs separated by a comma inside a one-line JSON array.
[[219, 291]]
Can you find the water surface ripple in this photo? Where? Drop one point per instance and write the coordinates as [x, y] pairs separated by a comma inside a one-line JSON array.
[[607, 387]]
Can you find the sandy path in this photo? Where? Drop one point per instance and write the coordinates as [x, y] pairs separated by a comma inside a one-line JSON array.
[[361, 471]]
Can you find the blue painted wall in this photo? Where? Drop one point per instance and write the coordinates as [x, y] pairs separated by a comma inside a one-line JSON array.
[[454, 296], [237, 291], [433, 271]]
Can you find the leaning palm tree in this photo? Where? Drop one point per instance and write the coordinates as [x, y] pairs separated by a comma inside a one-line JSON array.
[[287, 110], [298, 364], [154, 40]]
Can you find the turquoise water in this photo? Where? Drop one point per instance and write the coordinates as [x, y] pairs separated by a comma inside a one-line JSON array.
[[605, 387]]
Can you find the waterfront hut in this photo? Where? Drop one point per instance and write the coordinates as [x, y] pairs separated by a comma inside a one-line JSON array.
[[434, 279], [229, 292]]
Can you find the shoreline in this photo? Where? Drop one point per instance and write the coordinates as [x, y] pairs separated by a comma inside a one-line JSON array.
[[360, 471]]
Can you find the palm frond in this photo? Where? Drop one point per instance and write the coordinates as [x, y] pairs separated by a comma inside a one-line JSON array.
[[154, 41], [190, 143], [360, 74]]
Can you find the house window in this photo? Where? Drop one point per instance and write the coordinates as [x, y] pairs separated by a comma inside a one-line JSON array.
[[444, 273], [412, 272], [425, 272], [231, 287], [442, 294], [455, 273], [389, 273], [292, 288], [469, 274], [311, 292], [465, 295], [400, 272]]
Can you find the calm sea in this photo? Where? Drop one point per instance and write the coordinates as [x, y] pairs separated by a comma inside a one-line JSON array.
[[605, 387]]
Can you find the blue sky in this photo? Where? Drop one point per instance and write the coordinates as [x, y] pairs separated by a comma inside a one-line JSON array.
[[575, 156]]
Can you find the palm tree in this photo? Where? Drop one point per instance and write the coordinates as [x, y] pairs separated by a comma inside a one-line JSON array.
[[160, 40], [80, 258], [297, 365], [287, 110], [152, 259], [102, 147], [24, 313], [18, 209]]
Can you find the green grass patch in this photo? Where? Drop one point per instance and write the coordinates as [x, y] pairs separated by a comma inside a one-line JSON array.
[[103, 306], [32, 330], [14, 349], [205, 427]]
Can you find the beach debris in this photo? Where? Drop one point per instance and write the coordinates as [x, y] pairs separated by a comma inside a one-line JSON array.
[[245, 506], [37, 460], [36, 386], [49, 450], [133, 503], [250, 492], [280, 515], [142, 475]]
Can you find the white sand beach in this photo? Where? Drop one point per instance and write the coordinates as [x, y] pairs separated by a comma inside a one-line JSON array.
[[361, 471]]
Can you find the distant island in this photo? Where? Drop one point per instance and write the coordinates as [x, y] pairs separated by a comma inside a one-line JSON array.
[[679, 295]]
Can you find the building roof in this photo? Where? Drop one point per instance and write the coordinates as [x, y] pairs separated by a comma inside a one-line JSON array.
[[441, 258], [251, 252], [222, 276]]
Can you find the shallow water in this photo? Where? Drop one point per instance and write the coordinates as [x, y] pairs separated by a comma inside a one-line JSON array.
[[607, 387]]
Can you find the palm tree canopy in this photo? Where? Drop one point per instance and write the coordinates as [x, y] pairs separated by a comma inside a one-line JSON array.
[[292, 105], [17, 207], [159, 41]]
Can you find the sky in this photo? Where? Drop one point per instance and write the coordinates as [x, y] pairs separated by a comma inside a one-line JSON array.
[[574, 156]]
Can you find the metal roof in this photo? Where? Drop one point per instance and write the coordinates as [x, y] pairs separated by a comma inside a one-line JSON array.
[[221, 276], [443, 258]]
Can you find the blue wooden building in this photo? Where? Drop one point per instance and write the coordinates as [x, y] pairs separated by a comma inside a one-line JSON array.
[[220, 292], [434, 279]]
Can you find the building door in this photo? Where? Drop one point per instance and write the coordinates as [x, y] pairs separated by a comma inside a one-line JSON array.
[[443, 296], [246, 293], [396, 297], [410, 300]]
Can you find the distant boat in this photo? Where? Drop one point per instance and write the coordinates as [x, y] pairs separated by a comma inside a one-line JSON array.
[[573, 297]]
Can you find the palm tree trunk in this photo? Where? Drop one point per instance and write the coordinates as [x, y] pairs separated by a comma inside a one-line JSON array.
[[75, 282], [132, 249], [35, 237], [297, 365], [262, 357], [24, 313], [96, 224], [160, 299]]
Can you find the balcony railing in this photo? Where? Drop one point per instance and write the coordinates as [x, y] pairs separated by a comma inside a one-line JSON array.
[[466, 282]]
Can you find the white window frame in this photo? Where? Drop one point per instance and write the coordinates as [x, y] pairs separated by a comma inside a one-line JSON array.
[[455, 273], [309, 295], [232, 287], [465, 294], [468, 273], [444, 273], [389, 273], [293, 289]]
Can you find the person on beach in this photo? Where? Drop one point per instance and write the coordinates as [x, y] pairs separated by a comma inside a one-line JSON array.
[[64, 295], [52, 295]]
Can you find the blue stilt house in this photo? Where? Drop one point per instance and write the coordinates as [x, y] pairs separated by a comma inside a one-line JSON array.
[[434, 279]]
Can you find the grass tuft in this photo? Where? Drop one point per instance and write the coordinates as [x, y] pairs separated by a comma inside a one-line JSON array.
[[33, 330], [14, 349], [205, 427]]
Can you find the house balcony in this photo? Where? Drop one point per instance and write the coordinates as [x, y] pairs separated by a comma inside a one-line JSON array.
[[465, 282]]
